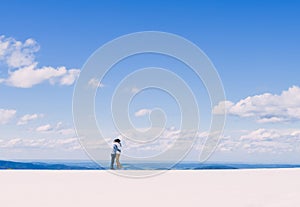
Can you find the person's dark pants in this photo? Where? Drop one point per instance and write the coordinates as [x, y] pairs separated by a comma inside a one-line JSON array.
[[113, 157]]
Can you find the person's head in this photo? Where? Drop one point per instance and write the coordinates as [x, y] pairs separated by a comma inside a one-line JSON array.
[[117, 140]]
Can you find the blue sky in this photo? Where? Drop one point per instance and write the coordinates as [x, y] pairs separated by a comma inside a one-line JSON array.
[[254, 46]]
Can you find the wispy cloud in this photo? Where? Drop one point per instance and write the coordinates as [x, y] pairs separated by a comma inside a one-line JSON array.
[[266, 108], [6, 115], [68, 144], [44, 128], [23, 69], [142, 112], [95, 83], [57, 129], [29, 117], [134, 90]]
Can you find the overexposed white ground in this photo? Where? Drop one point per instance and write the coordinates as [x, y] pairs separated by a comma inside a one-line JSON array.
[[232, 188]]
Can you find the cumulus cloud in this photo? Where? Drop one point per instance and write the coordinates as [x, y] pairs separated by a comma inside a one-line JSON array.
[[24, 71], [28, 117], [28, 76], [70, 77], [266, 108], [17, 54], [274, 141], [142, 112], [262, 140], [6, 115]]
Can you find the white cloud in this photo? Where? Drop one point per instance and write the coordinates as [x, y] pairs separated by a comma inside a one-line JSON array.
[[228, 144], [10, 143], [142, 112], [272, 134], [68, 144], [23, 67], [95, 83], [28, 117], [70, 77], [6, 115], [29, 76], [3, 46], [57, 130], [135, 90], [262, 134], [270, 141], [274, 141], [266, 107], [58, 125], [69, 131], [268, 147], [171, 138], [223, 107], [44, 128], [17, 54]]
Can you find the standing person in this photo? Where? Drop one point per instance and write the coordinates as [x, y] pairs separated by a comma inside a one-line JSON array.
[[119, 146], [115, 149]]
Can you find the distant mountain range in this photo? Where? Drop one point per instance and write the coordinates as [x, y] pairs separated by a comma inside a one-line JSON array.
[[40, 166], [90, 165]]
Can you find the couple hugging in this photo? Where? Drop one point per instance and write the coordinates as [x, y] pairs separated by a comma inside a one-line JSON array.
[[115, 154]]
